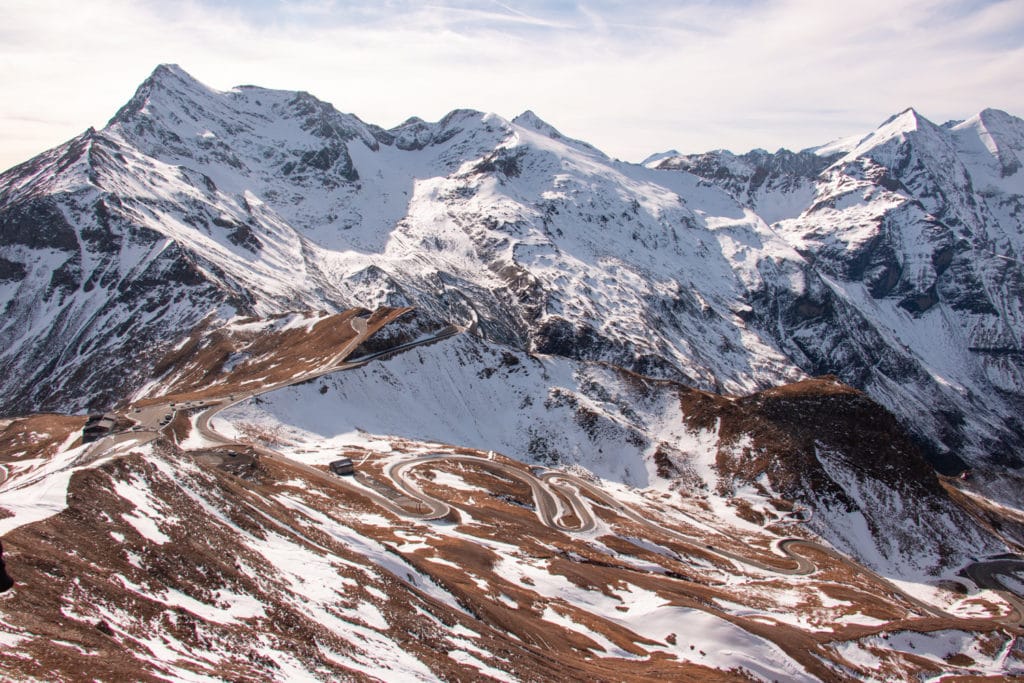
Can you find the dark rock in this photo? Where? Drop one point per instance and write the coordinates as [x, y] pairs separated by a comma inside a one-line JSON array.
[[919, 303], [559, 337], [503, 161], [37, 224], [68, 277], [11, 271], [6, 582], [241, 235]]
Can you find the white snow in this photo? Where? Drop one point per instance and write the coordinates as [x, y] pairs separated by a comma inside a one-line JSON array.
[[146, 514], [37, 489]]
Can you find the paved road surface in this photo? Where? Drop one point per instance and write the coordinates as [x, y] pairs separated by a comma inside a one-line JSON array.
[[986, 575]]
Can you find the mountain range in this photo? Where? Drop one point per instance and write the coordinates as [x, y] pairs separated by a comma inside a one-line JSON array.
[[890, 261], [835, 331]]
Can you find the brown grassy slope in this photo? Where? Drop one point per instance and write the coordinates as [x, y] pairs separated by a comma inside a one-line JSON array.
[[75, 602], [36, 436], [268, 356], [796, 434], [787, 424]]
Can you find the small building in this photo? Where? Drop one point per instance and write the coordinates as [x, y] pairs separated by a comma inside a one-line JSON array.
[[343, 466], [96, 427]]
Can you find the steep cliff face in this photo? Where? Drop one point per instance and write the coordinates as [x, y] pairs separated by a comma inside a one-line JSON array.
[[776, 186], [87, 288]]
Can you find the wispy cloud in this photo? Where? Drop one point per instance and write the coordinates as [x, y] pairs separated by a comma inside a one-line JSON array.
[[630, 77]]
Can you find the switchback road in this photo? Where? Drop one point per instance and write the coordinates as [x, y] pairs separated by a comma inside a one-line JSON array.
[[550, 491]]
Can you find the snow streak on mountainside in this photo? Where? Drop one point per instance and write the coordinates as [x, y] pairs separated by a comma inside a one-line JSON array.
[[195, 203]]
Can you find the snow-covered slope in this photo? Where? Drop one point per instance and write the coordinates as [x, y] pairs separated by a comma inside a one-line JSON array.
[[890, 261], [915, 233]]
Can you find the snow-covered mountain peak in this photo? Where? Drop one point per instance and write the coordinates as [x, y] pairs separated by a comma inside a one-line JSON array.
[[163, 72], [168, 81], [528, 119], [883, 143], [992, 138], [653, 160], [906, 120], [461, 129], [996, 119], [251, 130]]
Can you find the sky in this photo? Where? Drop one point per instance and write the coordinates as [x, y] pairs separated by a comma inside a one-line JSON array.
[[632, 78]]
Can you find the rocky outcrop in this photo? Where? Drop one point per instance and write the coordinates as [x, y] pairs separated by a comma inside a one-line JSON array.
[[912, 266]]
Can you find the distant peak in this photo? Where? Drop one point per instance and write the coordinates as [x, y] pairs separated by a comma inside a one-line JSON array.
[[990, 119], [164, 73], [908, 126], [530, 120], [168, 69], [460, 115], [658, 157], [998, 132], [907, 119], [996, 117], [991, 111], [166, 78]]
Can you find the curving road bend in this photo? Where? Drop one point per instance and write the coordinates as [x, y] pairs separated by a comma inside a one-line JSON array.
[[548, 509], [985, 574], [153, 419]]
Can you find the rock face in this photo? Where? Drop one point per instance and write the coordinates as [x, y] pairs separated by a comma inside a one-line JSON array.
[[912, 240], [892, 262]]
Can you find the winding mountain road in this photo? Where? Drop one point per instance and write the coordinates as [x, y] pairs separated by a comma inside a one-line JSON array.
[[551, 491], [544, 487]]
